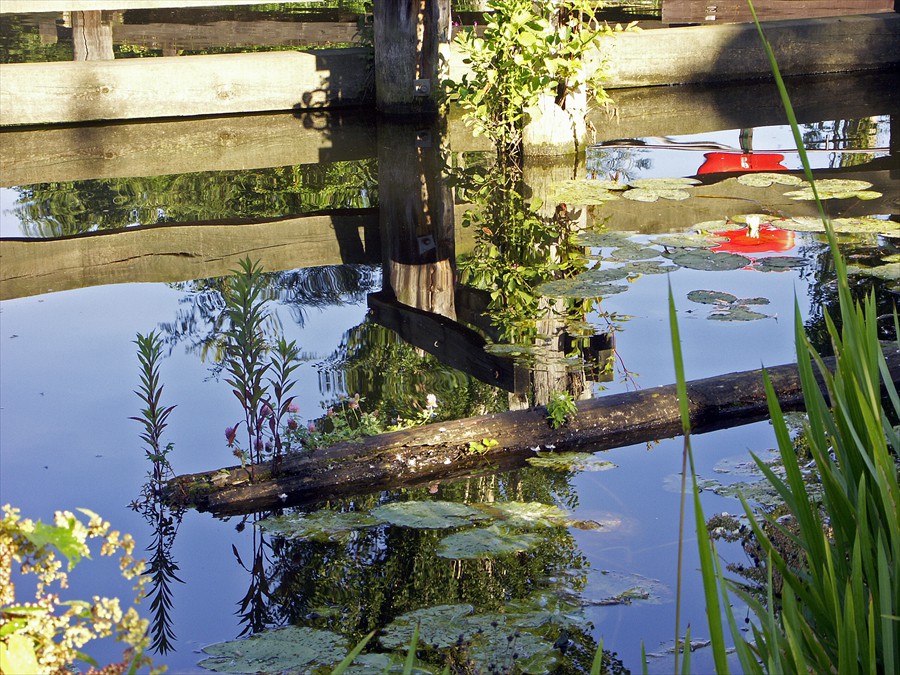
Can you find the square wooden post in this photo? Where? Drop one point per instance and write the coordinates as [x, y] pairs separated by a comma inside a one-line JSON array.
[[412, 39]]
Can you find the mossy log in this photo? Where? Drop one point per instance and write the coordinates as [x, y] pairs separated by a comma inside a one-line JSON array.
[[436, 452]]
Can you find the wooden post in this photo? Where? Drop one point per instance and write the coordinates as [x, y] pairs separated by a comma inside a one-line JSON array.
[[412, 40], [92, 36]]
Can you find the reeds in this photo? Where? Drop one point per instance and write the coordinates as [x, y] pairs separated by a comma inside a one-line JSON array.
[[838, 606]]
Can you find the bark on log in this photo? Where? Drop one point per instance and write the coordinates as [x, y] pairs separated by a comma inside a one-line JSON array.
[[440, 451]]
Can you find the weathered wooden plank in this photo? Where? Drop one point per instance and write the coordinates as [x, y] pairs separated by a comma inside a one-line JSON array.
[[701, 11], [715, 53], [117, 150], [436, 452], [176, 36], [40, 93], [30, 6], [182, 252]]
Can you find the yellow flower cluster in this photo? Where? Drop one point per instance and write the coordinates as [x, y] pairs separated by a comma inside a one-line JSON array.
[[47, 635]]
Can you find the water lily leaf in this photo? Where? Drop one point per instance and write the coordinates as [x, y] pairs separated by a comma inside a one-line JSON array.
[[322, 525], [570, 461], [841, 185], [742, 465], [432, 515], [889, 272], [737, 314], [766, 179], [604, 239], [485, 542], [711, 297], [894, 258], [635, 269], [780, 263], [663, 183], [690, 239], [586, 191], [634, 252], [291, 649], [605, 275], [394, 662], [708, 261], [579, 287], [654, 194], [862, 225], [835, 188], [440, 627], [525, 653], [606, 587], [526, 514]]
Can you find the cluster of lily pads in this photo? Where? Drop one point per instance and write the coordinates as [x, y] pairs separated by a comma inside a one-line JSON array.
[[827, 188], [589, 192]]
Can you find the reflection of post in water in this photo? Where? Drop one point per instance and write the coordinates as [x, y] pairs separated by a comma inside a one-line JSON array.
[[416, 216], [254, 608], [92, 36]]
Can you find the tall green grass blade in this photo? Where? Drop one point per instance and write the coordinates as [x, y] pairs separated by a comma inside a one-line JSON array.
[[356, 651], [411, 654], [597, 665]]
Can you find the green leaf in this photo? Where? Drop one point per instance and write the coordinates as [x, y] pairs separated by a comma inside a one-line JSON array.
[[428, 514], [485, 542], [17, 655], [291, 649]]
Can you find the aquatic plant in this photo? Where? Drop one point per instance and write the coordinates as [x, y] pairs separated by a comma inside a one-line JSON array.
[[154, 416], [48, 634]]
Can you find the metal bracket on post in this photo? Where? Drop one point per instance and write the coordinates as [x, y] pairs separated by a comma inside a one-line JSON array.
[[423, 87]]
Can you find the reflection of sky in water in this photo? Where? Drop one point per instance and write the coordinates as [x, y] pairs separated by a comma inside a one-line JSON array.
[[632, 163]]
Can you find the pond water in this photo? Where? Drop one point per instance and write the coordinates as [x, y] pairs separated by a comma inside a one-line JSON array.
[[68, 368]]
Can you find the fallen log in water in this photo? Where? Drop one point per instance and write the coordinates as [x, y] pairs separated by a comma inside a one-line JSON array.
[[435, 452]]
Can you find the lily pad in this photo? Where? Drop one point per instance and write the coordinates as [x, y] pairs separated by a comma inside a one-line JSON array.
[[579, 287], [586, 191], [765, 179], [654, 194], [570, 461], [321, 526], [607, 239], [862, 225], [708, 261], [485, 542], [395, 662], [440, 627], [835, 188], [634, 252], [690, 239], [606, 587], [526, 514], [780, 263], [663, 183], [291, 649], [636, 269], [711, 297], [431, 515], [737, 314], [889, 272]]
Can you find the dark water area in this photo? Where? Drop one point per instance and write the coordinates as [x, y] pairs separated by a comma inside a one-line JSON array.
[[97, 250]]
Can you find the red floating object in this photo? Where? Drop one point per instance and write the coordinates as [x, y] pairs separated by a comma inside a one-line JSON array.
[[769, 240], [737, 162]]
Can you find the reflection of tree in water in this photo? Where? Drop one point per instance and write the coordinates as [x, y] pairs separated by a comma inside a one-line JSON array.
[[843, 134], [394, 378], [75, 207], [364, 582], [199, 323], [618, 164]]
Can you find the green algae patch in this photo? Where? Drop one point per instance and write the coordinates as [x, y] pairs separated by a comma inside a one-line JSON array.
[[291, 649]]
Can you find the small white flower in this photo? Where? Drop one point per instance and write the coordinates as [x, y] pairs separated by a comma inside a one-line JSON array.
[[282, 496], [431, 401], [753, 225]]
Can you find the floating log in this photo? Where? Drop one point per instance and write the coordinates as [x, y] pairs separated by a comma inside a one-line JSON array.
[[436, 452]]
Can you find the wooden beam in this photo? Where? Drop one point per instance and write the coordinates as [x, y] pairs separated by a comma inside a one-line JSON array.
[[118, 150], [451, 342], [436, 452], [704, 11], [170, 253], [44, 93], [31, 6]]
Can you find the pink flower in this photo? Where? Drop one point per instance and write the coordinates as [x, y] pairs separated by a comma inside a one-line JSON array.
[[292, 424], [266, 410], [231, 434], [293, 408], [311, 427]]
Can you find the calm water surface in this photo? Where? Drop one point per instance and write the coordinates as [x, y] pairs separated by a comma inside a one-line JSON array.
[[68, 369]]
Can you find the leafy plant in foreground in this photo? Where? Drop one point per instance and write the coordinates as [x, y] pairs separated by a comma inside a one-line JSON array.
[[560, 408]]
